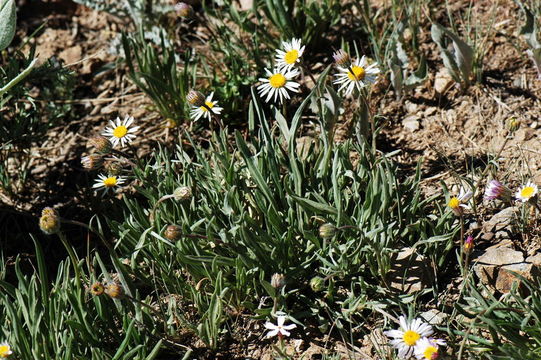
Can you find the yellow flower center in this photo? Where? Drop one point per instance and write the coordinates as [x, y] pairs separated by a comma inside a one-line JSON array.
[[358, 73], [277, 80], [527, 192], [209, 105], [110, 181], [291, 56], [454, 203], [120, 131], [5, 350], [431, 353], [410, 337]]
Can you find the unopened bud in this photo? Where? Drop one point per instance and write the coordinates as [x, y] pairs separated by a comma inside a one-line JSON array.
[[184, 10], [114, 290], [278, 281], [113, 167], [195, 98], [468, 244], [92, 161], [327, 231], [49, 222], [341, 58], [513, 124], [317, 283], [97, 289], [182, 193], [101, 144], [173, 232]]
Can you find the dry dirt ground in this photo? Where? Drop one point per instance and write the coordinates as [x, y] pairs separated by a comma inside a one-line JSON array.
[[455, 132]]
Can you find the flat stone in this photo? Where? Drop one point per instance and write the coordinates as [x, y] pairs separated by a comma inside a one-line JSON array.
[[411, 122], [443, 81], [434, 317], [500, 220], [534, 259], [410, 272], [500, 256]]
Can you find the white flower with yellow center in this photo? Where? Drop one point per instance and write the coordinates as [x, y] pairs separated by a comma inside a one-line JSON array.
[[210, 106], [287, 58], [356, 76], [5, 350], [406, 338], [278, 83], [526, 192], [108, 182], [428, 349], [120, 131]]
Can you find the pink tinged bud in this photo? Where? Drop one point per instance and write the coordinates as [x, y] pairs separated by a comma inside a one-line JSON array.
[[468, 244]]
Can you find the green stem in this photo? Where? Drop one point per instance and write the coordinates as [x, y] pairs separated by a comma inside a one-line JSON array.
[[18, 78], [73, 257]]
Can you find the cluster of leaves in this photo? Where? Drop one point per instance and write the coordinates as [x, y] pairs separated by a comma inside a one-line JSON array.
[[22, 111]]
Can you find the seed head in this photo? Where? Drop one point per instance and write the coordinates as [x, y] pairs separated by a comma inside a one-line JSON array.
[[49, 222], [317, 283], [97, 289], [327, 231], [195, 98], [100, 144], [114, 290], [278, 281], [341, 58], [173, 232], [92, 161], [182, 193], [184, 10]]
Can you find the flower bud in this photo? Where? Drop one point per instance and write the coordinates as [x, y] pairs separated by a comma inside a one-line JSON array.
[[92, 161], [513, 124], [100, 144], [113, 167], [182, 193], [195, 98], [173, 232], [468, 244], [278, 281], [184, 10], [114, 290], [327, 231], [97, 289], [49, 222], [341, 58], [317, 283]]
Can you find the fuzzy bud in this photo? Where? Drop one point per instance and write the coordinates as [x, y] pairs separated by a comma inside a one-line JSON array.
[[173, 232], [101, 144], [342, 58], [97, 289], [195, 98], [114, 290], [278, 281], [49, 222], [184, 10], [182, 193], [327, 231], [317, 283], [469, 244], [92, 161], [513, 124]]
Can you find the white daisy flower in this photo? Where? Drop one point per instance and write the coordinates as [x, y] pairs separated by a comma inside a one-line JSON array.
[[280, 329], [459, 203], [120, 132], [526, 192], [428, 349], [278, 83], [108, 182], [287, 58], [199, 111], [358, 75], [405, 338], [5, 350]]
